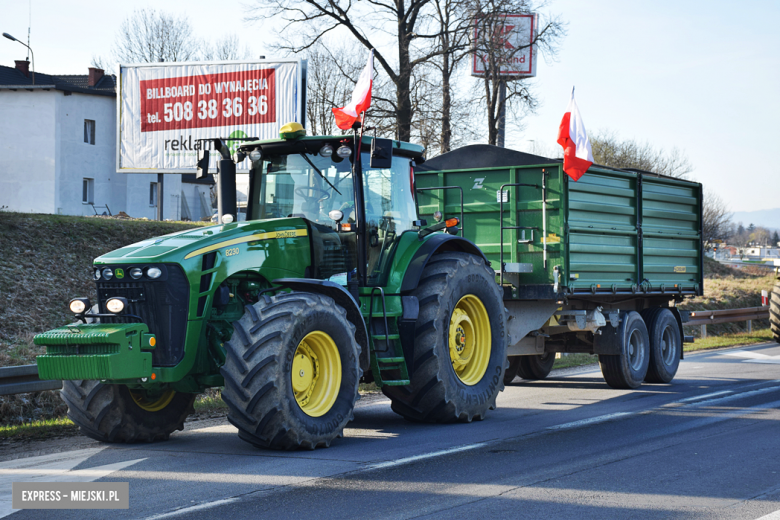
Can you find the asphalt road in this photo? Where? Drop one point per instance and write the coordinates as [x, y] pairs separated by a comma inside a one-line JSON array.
[[706, 446]]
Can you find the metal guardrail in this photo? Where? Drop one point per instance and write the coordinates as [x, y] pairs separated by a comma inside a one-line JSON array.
[[23, 379], [748, 314]]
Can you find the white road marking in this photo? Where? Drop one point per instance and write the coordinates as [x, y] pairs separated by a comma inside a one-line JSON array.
[[697, 397], [592, 420], [407, 460], [771, 516], [746, 354], [191, 509], [739, 395], [753, 357], [57, 467]]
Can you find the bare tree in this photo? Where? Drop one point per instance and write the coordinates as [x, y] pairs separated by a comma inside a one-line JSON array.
[[367, 23], [490, 19], [225, 48], [149, 36], [610, 150], [716, 219]]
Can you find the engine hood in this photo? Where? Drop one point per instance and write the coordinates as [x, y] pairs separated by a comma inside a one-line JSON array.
[[184, 245]]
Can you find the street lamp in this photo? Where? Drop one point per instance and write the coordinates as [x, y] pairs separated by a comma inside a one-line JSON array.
[[31, 53]]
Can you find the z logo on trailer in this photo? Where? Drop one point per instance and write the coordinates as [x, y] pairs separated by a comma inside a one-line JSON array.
[[478, 183]]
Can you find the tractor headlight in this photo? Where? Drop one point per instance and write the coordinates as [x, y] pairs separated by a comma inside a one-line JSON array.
[[97, 274], [108, 273], [136, 273], [326, 151], [78, 305], [153, 272], [116, 305], [344, 151]]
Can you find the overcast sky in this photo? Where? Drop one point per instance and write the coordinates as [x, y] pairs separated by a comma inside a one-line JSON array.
[[699, 75]]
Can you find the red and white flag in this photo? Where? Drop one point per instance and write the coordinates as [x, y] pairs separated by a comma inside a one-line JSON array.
[[361, 97], [577, 155]]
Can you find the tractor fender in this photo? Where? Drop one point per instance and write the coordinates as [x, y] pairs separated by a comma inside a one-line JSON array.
[[436, 244], [342, 297]]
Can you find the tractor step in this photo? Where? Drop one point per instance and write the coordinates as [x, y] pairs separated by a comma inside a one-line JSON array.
[[382, 337], [392, 345]]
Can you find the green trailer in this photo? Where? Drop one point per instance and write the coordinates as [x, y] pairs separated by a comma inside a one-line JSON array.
[[575, 259], [360, 262]]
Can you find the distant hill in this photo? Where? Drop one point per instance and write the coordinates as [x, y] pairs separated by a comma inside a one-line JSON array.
[[768, 218]]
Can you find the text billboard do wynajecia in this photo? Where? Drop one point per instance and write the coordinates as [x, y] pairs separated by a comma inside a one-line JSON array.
[[164, 110]]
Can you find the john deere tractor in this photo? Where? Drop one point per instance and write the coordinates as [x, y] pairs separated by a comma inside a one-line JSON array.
[[333, 279]]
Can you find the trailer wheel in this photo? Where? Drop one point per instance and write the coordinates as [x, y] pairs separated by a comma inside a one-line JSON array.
[[459, 356], [512, 370], [774, 311], [291, 372], [536, 367], [665, 345], [628, 369], [114, 413]]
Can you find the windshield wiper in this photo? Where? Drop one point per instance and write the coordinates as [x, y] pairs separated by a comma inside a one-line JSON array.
[[319, 172]]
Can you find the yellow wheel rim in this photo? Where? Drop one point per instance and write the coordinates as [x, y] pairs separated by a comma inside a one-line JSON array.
[[154, 404], [316, 373], [470, 340]]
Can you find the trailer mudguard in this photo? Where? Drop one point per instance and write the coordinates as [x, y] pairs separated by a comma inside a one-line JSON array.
[[436, 244], [342, 297]]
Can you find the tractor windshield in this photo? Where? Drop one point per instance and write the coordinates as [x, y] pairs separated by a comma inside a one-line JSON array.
[[310, 186]]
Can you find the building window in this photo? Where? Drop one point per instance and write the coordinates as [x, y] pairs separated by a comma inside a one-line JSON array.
[[89, 131], [153, 194], [88, 191]]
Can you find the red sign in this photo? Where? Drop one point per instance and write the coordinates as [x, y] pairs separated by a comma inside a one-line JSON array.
[[228, 99]]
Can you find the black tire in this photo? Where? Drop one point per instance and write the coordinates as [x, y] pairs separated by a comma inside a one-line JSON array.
[[258, 371], [436, 392], [109, 413], [536, 367], [628, 369], [665, 345], [774, 311], [512, 369]]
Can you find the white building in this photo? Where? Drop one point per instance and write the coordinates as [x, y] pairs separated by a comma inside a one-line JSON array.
[[58, 152]]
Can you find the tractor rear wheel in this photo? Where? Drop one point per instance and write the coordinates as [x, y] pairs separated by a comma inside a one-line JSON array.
[[459, 356], [291, 372], [114, 413], [536, 367], [774, 311]]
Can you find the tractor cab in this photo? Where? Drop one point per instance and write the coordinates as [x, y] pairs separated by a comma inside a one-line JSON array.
[[355, 195]]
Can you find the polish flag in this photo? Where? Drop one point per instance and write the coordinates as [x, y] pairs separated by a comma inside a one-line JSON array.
[[577, 155], [361, 97]]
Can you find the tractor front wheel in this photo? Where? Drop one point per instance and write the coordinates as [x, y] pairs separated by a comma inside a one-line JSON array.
[[291, 372], [114, 413], [459, 357]]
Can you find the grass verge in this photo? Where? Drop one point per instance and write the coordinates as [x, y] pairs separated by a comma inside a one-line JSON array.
[[39, 430]]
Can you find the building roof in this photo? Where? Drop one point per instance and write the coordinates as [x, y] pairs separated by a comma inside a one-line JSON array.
[[13, 78]]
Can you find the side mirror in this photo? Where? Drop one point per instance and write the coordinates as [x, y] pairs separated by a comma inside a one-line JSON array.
[[381, 153], [203, 164]]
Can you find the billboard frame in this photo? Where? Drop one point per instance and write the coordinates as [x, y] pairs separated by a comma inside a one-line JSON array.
[[301, 99], [510, 75]]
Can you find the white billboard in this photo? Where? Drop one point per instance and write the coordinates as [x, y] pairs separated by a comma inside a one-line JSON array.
[[164, 110], [511, 37]]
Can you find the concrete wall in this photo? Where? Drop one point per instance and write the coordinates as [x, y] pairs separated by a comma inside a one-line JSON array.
[[28, 150]]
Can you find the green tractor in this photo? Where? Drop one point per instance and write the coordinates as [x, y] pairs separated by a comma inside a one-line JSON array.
[[332, 280]]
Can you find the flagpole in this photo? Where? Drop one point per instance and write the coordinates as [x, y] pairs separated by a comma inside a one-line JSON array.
[[360, 207]]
